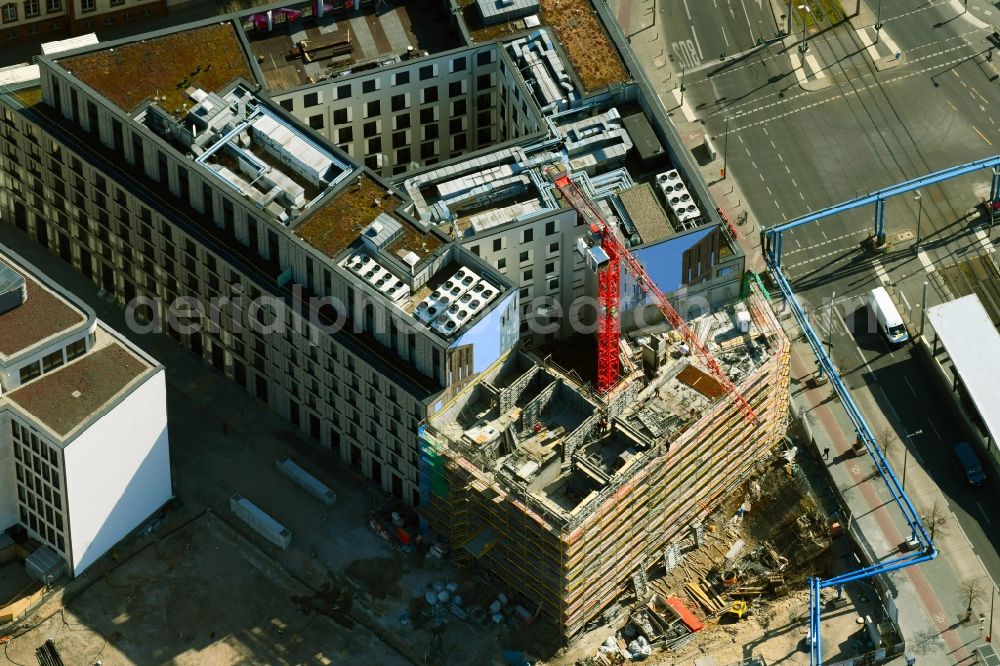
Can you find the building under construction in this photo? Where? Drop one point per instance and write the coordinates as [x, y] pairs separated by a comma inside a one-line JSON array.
[[569, 497]]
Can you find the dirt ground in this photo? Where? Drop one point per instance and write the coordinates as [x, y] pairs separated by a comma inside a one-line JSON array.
[[202, 595]]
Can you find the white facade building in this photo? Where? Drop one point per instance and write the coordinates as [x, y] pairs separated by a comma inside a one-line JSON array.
[[84, 454]]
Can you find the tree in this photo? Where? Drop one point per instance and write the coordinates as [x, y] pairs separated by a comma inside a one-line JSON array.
[[971, 590], [936, 519], [887, 438]]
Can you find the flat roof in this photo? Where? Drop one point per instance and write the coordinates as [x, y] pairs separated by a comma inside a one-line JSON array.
[[646, 213], [41, 316], [207, 57], [65, 398], [337, 223], [967, 333]]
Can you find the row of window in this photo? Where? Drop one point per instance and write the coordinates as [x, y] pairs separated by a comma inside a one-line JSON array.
[[36, 468], [50, 362]]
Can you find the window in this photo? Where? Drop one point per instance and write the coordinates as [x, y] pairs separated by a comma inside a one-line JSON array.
[[344, 91], [31, 8], [287, 104], [426, 72], [398, 102], [455, 125], [483, 58], [474, 250], [459, 107], [52, 361], [402, 78], [430, 132], [316, 122], [483, 81], [373, 108], [402, 121], [345, 134], [340, 117], [9, 13], [458, 65], [550, 227], [501, 263], [368, 86], [527, 276], [399, 139], [311, 99], [117, 3], [527, 235], [550, 268], [429, 95], [497, 244], [427, 115], [454, 88], [427, 150], [524, 257], [374, 145], [54, 6], [460, 141], [403, 156], [370, 129], [31, 371], [554, 247]]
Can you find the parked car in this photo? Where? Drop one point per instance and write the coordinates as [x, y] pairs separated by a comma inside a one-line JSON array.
[[968, 463]]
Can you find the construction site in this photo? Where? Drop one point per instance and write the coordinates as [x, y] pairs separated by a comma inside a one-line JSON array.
[[572, 499]]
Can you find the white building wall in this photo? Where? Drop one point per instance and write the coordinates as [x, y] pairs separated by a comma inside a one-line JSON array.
[[8, 487], [117, 472]]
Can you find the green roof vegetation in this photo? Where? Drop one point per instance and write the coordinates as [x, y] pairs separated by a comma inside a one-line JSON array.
[[164, 67], [588, 46]]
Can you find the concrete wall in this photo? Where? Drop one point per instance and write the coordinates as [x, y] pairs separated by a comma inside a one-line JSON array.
[[118, 472]]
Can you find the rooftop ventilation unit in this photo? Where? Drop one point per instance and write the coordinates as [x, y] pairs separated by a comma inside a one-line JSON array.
[[456, 301], [377, 276], [13, 291], [676, 194]]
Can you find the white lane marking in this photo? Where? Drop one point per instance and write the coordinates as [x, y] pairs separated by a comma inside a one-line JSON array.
[[794, 184], [934, 428], [984, 239], [893, 47], [685, 107], [747, 15], [823, 233], [802, 196], [780, 158], [797, 243], [883, 277], [800, 74], [768, 188], [888, 404], [926, 261], [850, 336], [905, 302], [723, 29], [772, 144], [910, 386], [765, 131], [701, 56], [814, 65], [984, 513], [687, 10]]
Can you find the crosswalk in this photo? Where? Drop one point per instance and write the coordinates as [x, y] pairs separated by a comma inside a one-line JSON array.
[[878, 44], [807, 69]]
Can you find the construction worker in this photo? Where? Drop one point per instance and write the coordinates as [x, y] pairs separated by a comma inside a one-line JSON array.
[[826, 453]]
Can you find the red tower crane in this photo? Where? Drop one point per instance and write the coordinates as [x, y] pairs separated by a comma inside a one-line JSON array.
[[608, 299]]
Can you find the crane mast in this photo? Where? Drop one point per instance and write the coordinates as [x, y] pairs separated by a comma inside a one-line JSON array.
[[608, 300]]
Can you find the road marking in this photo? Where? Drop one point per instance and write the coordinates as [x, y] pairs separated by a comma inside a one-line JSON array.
[[883, 276], [772, 144], [984, 240], [926, 261], [814, 65], [905, 302], [893, 48], [910, 386], [723, 29], [981, 135], [685, 107], [794, 184], [984, 513], [888, 404], [934, 428], [800, 74], [797, 243], [787, 170], [761, 177], [765, 132], [701, 56], [850, 336], [686, 10], [802, 196], [823, 233], [769, 191], [754, 164], [869, 45], [985, 101], [747, 15], [780, 158], [951, 105]]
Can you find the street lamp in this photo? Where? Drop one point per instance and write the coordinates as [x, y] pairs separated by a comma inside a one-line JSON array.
[[878, 20], [920, 211], [804, 46], [906, 453], [829, 325]]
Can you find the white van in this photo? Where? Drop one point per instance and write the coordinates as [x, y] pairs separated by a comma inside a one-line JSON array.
[[888, 316]]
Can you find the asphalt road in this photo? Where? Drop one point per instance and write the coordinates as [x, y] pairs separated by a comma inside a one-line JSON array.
[[804, 132]]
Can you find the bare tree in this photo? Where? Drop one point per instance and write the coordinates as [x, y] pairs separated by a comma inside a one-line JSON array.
[[887, 438], [971, 590], [936, 519]]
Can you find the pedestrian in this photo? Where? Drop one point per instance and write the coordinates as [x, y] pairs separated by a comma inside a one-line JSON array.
[[826, 453]]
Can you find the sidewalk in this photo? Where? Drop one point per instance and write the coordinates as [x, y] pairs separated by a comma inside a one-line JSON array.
[[926, 597]]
